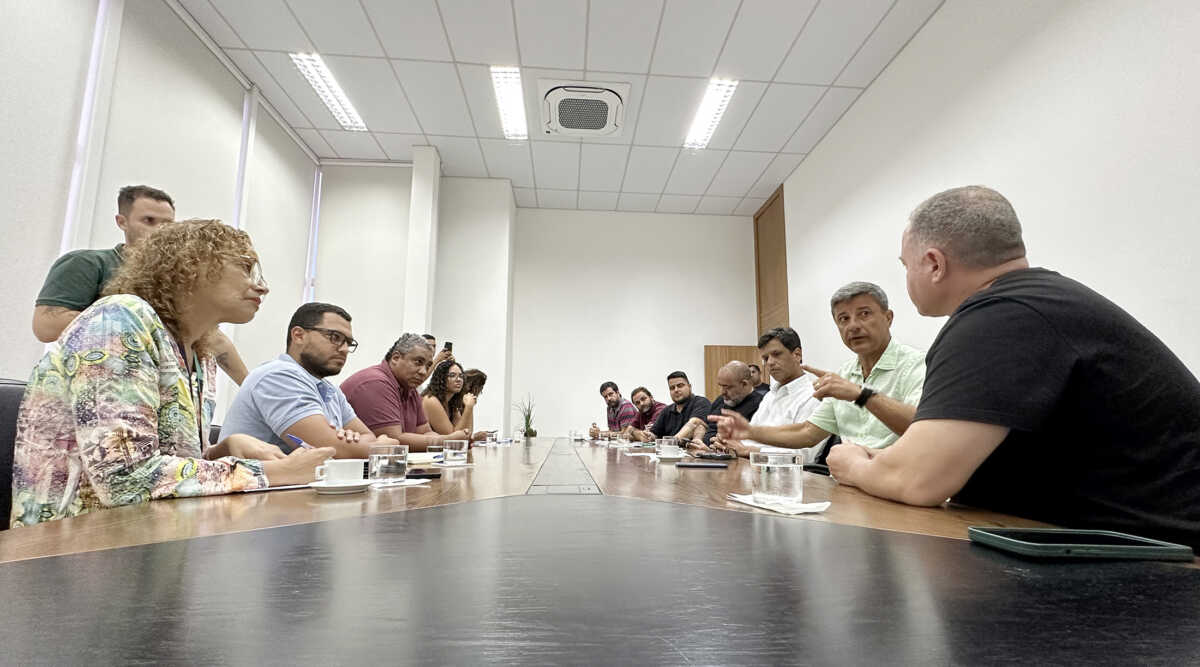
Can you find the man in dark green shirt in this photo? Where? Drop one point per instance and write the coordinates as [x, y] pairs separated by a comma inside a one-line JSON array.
[[77, 278]]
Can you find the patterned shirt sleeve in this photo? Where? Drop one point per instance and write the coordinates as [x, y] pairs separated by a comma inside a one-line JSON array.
[[120, 413], [626, 415]]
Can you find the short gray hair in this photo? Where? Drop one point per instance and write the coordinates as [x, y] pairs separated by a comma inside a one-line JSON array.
[[973, 224], [405, 344], [851, 290]]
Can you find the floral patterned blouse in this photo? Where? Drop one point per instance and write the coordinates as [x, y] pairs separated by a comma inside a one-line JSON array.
[[111, 418]]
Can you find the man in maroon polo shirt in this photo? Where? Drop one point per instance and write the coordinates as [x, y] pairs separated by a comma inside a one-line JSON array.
[[647, 412], [385, 398]]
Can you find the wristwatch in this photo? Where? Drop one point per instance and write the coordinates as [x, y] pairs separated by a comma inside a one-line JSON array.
[[863, 397]]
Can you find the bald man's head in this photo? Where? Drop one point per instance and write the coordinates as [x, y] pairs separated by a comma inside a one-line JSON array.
[[734, 381]]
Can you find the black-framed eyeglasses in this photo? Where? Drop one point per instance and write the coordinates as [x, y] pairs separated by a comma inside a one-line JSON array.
[[336, 337]]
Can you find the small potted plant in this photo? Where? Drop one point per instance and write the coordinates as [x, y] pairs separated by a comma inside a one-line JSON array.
[[525, 407]]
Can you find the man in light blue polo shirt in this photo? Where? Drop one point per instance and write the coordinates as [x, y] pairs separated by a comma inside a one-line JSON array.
[[290, 395], [872, 398]]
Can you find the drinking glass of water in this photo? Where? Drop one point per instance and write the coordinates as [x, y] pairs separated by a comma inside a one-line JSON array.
[[455, 452], [387, 465], [778, 477]]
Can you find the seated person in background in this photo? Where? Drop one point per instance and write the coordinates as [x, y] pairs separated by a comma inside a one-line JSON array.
[[791, 398], [385, 395], [648, 411], [620, 412], [870, 400], [737, 395], [117, 412], [448, 407], [441, 355], [1042, 398], [686, 406], [473, 381], [78, 277], [289, 395], [756, 378]]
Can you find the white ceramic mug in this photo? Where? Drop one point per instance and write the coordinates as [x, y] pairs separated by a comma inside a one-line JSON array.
[[342, 470]]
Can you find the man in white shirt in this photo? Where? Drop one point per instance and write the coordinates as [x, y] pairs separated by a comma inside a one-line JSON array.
[[790, 400]]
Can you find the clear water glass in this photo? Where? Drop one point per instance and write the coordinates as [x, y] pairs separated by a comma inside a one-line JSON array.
[[387, 465], [455, 451], [778, 477]]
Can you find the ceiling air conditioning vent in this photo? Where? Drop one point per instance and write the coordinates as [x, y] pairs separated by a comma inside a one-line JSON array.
[[583, 108]]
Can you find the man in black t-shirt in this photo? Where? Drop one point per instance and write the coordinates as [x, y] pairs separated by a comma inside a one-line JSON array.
[[1042, 398], [737, 394], [686, 405]]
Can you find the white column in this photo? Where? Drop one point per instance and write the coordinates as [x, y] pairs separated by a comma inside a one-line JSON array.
[[241, 193], [421, 254]]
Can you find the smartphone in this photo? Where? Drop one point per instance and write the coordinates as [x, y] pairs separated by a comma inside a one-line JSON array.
[[449, 346], [1070, 543], [701, 464], [715, 456]]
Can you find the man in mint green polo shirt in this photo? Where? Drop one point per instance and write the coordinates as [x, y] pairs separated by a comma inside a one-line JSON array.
[[871, 399]]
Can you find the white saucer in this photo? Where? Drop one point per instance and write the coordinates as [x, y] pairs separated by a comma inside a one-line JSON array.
[[670, 459], [339, 488]]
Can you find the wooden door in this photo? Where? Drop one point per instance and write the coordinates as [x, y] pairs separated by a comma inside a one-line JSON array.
[[770, 264], [716, 356]]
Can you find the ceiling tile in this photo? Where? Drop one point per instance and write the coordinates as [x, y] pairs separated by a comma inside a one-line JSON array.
[[598, 201], [373, 90], [551, 33], [354, 145], [264, 25], [762, 34], [336, 26], [601, 167], [778, 114], [509, 159], [667, 110], [677, 203], [637, 85], [316, 142], [739, 172], [749, 206], [477, 84], [777, 172], [648, 169], [280, 66], [621, 34], [409, 29], [533, 103], [691, 36], [832, 35], [212, 22], [526, 197], [637, 202], [557, 198], [901, 23], [436, 96], [828, 111], [460, 156], [260, 77], [399, 146], [481, 31], [737, 114], [718, 205], [694, 170], [556, 165]]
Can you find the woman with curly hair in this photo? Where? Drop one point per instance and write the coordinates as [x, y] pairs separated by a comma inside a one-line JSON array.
[[447, 407], [118, 410]]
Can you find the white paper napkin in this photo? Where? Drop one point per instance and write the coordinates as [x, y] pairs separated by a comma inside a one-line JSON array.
[[782, 508], [407, 482]]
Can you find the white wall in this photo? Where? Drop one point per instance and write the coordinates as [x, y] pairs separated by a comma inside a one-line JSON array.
[[44, 48], [472, 302], [360, 257], [175, 121], [1084, 114], [627, 297]]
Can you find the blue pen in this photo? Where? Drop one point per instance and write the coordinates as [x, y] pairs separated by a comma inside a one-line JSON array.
[[298, 441]]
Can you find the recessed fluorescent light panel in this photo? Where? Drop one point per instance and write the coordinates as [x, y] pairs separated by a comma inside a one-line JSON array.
[[327, 88], [708, 116], [506, 81]]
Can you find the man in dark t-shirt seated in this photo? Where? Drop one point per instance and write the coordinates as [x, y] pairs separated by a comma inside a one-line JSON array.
[[737, 394], [685, 406], [1042, 398]]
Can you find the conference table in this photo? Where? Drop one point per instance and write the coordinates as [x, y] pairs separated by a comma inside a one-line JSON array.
[[550, 551]]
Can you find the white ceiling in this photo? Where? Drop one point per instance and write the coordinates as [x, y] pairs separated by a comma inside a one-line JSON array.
[[417, 71]]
